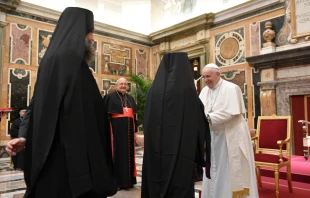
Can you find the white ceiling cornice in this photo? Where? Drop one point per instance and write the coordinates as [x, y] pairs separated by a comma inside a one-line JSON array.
[[191, 26], [38, 11], [244, 8], [100, 28]]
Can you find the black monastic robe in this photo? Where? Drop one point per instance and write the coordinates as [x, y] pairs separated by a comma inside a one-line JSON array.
[[123, 130], [68, 151], [175, 131]]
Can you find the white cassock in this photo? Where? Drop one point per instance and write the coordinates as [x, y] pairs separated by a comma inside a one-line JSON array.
[[232, 159]]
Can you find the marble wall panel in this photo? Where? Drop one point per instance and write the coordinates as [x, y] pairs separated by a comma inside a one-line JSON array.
[[44, 38], [19, 90], [268, 75], [141, 62], [116, 59], [237, 77], [255, 39], [20, 44]]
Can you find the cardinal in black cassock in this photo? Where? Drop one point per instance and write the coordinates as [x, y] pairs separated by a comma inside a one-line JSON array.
[[68, 150], [122, 109], [175, 131]]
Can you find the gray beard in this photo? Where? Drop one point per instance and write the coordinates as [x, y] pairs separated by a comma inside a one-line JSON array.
[[89, 51]]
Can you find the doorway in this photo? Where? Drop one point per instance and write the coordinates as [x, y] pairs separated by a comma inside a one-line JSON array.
[[196, 73], [300, 110]]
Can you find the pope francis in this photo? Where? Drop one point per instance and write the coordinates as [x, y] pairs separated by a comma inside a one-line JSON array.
[[232, 160]]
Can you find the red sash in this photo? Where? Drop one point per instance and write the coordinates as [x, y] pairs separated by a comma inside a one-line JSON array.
[[127, 112]]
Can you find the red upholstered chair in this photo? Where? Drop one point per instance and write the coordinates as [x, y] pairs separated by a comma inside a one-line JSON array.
[[272, 147]]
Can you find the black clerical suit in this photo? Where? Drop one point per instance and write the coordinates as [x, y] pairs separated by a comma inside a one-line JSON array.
[[19, 158], [24, 125], [68, 151], [175, 131]]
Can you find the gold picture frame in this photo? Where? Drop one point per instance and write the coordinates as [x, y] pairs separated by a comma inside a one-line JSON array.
[[300, 18]]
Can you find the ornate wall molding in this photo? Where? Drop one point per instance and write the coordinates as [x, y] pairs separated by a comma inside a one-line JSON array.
[[280, 59], [6, 5], [183, 29]]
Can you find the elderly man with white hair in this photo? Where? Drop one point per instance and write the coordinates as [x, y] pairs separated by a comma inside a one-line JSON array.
[[232, 159]]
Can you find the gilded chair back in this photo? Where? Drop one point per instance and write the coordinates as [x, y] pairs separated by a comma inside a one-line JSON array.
[[270, 129]]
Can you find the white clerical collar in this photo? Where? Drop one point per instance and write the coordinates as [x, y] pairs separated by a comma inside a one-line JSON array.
[[218, 84]]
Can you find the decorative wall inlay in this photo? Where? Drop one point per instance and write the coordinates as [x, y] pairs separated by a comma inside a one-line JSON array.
[[267, 75], [44, 38], [18, 90], [237, 77], [109, 86], [255, 39], [155, 60], [20, 44], [141, 62], [94, 64], [230, 47], [116, 59]]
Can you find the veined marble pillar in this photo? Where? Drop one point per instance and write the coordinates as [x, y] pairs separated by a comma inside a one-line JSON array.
[[268, 102], [3, 24]]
